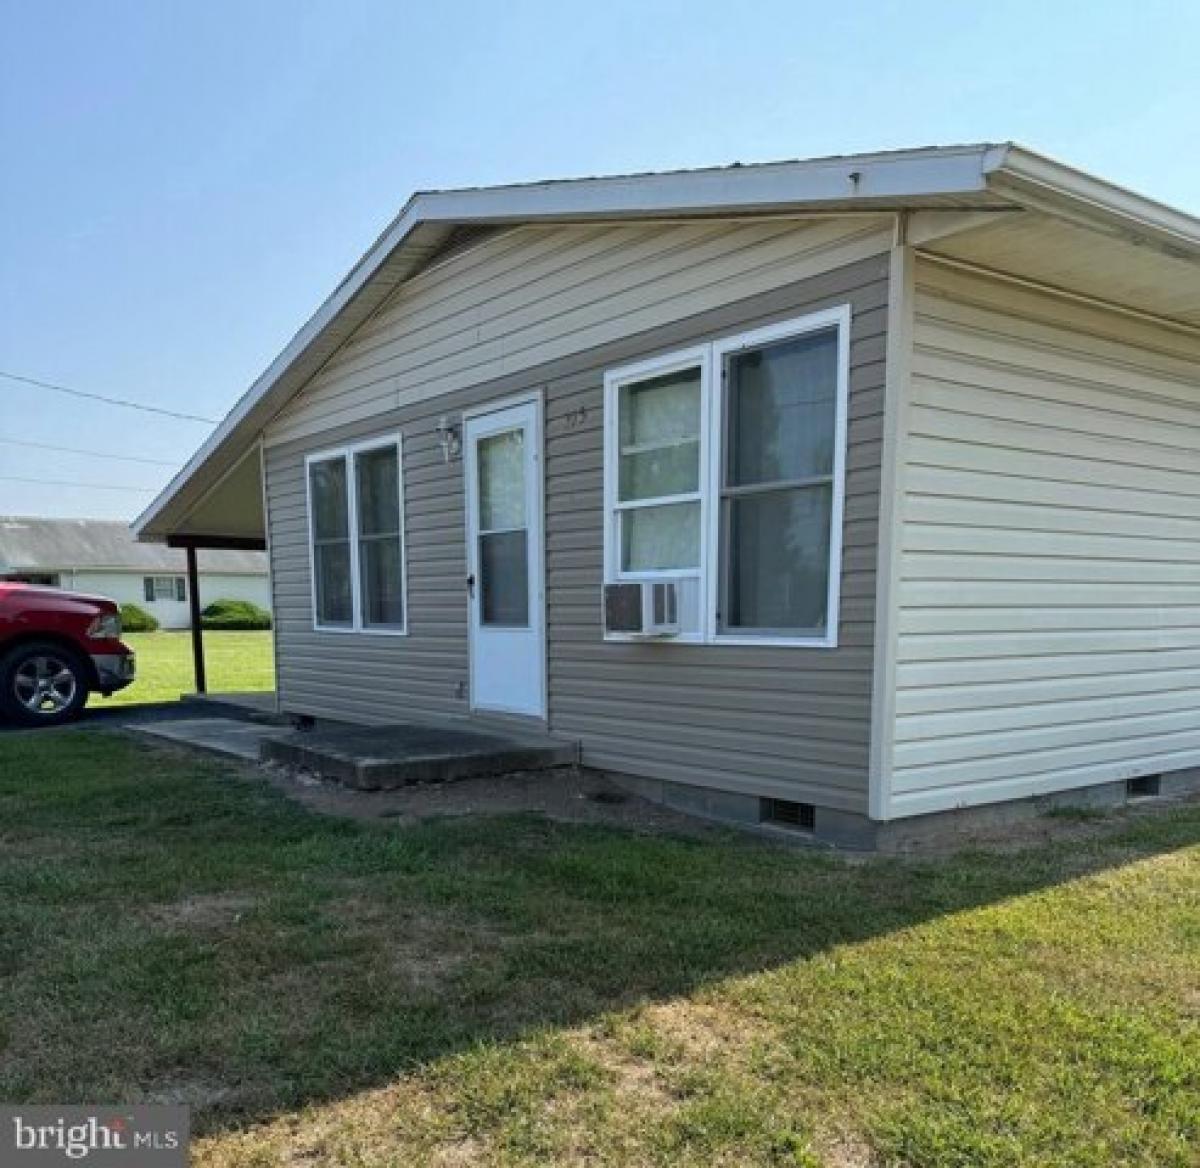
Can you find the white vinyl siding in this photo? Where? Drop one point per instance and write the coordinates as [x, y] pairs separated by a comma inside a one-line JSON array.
[[126, 587], [1049, 594]]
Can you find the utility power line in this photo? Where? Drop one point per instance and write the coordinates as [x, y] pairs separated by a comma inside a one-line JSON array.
[[90, 453], [112, 401], [88, 486]]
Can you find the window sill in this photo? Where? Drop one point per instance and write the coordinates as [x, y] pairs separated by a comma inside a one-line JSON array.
[[775, 642], [732, 641], [362, 632]]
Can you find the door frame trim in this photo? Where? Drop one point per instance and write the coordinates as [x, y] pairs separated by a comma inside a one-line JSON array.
[[537, 399]]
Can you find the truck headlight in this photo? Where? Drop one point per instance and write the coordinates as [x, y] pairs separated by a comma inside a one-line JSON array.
[[106, 627]]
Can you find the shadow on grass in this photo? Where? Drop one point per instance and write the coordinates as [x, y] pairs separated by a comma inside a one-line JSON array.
[[172, 931]]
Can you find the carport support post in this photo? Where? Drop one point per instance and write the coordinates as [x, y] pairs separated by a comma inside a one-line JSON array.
[[193, 583]]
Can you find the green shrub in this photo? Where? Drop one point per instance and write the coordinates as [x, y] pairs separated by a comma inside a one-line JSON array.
[[235, 614], [137, 620]]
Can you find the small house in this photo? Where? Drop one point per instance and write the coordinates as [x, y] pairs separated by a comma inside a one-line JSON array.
[[829, 493]]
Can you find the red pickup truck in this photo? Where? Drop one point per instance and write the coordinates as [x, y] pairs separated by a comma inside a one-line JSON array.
[[56, 647]]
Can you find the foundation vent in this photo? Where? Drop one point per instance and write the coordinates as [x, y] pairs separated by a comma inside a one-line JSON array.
[[785, 813], [1144, 788]]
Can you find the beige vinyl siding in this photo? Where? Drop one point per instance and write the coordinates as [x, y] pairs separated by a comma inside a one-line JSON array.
[[787, 721], [1049, 600], [531, 295], [793, 722]]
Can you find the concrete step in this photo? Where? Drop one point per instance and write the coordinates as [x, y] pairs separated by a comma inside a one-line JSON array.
[[235, 737], [381, 757]]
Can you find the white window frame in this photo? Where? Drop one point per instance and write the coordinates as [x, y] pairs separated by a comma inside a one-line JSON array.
[[173, 588], [838, 318], [710, 358], [614, 381], [347, 453]]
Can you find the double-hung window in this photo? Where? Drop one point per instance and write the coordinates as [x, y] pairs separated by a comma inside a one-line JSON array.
[[164, 588], [656, 419], [724, 467], [356, 537]]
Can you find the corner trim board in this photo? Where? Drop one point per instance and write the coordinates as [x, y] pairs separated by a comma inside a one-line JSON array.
[[897, 395]]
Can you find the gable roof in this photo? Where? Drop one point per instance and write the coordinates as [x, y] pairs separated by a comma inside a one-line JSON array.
[[982, 176], [30, 544]]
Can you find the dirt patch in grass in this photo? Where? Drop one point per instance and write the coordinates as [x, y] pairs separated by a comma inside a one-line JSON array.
[[846, 1151], [202, 911], [565, 794], [425, 968], [702, 1031], [196, 1093], [425, 949], [636, 1080]]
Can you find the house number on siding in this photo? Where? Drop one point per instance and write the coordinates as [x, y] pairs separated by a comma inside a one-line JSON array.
[[574, 419]]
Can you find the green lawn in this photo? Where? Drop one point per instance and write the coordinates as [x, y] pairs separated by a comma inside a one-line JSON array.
[[235, 662], [515, 991]]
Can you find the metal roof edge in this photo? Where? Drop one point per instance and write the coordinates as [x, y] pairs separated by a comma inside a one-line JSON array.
[[864, 181], [869, 179], [1039, 180], [849, 179]]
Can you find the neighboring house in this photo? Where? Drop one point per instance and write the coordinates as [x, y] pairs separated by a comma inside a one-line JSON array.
[[915, 435], [102, 557]]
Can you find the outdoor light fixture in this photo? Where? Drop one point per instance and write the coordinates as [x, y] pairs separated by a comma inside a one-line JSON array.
[[449, 436]]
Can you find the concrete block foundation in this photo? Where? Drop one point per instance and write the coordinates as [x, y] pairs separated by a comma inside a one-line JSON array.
[[846, 829]]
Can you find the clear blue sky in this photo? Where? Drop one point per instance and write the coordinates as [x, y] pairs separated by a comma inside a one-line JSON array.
[[182, 184]]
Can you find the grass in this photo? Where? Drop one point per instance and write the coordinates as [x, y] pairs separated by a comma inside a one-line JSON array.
[[236, 662], [515, 991]]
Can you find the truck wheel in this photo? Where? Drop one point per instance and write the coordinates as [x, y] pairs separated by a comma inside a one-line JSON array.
[[42, 684]]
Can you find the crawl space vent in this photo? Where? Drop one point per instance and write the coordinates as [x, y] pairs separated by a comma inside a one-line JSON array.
[[785, 813], [1144, 788]]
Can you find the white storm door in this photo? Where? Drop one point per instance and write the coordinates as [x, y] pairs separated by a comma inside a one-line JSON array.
[[505, 586]]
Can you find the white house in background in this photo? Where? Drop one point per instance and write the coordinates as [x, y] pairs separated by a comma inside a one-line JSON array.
[[102, 557]]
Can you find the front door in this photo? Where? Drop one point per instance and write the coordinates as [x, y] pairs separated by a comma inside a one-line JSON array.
[[505, 589]]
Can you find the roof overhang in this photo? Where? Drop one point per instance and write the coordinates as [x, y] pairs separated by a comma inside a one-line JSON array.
[[952, 179]]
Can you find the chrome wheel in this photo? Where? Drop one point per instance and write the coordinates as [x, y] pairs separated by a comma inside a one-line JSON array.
[[45, 685]]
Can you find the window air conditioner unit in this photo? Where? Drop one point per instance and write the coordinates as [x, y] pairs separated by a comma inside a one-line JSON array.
[[646, 609]]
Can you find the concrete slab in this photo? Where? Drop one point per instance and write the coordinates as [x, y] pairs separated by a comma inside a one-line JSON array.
[[258, 707], [374, 758], [233, 737]]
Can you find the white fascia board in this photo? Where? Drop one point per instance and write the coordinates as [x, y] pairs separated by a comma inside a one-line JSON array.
[[1035, 180], [845, 181]]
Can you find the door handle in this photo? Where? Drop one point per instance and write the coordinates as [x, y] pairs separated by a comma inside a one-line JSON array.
[[471, 586]]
